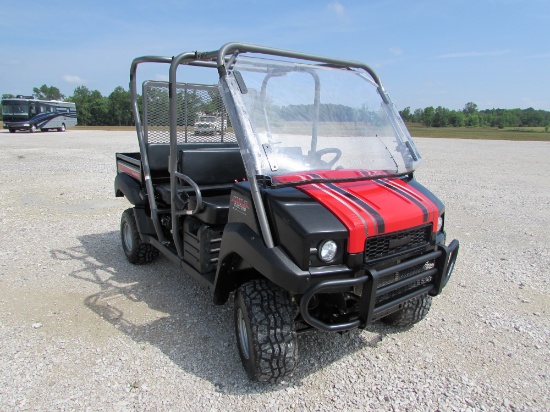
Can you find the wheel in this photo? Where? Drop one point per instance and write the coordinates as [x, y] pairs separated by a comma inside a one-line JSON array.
[[62, 128], [12, 130], [135, 250], [32, 128], [412, 312], [266, 334]]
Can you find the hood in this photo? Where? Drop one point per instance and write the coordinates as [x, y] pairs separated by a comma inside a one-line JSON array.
[[375, 207]]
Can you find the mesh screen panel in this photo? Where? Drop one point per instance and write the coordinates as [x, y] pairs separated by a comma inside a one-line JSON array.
[[201, 116]]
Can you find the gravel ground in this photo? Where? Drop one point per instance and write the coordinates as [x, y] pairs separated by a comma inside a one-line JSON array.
[[82, 329]]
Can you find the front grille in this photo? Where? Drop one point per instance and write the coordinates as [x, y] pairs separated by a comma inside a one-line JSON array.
[[397, 276], [397, 243]]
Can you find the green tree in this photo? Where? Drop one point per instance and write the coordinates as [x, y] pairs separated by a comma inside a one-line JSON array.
[[428, 116], [417, 116], [456, 119], [472, 120], [8, 96], [47, 93], [441, 117], [406, 114], [470, 108], [120, 107], [91, 106]]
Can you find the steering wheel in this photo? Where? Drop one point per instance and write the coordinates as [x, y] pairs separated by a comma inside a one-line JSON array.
[[329, 150]]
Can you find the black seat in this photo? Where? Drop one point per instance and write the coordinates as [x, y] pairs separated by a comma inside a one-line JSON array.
[[214, 170]]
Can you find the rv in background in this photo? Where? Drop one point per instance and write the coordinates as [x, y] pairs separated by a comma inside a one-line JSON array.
[[28, 113]]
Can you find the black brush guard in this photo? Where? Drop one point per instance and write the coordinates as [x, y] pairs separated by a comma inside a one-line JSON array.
[[369, 311]]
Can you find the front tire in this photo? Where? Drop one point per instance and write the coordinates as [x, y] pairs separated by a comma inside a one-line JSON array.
[[32, 129], [62, 128], [136, 251], [266, 334], [412, 312]]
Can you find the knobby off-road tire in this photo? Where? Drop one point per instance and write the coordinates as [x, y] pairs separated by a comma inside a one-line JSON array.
[[412, 312], [266, 334], [136, 251]]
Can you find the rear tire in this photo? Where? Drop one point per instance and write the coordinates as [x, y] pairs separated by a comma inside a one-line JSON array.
[[266, 334], [12, 130], [136, 251], [412, 312], [62, 128], [32, 129]]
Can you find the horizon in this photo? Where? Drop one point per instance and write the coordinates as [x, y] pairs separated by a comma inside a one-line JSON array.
[[427, 53]]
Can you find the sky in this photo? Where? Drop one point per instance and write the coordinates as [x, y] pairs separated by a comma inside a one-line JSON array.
[[495, 53]]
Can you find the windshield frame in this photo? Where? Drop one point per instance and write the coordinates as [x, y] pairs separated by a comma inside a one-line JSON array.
[[259, 157]]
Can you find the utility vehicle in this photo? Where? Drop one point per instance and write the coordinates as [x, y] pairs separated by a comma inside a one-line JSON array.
[[305, 207]]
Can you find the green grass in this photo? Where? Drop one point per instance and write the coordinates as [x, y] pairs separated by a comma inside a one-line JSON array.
[[482, 133]]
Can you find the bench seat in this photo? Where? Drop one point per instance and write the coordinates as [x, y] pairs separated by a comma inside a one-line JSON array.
[[214, 170]]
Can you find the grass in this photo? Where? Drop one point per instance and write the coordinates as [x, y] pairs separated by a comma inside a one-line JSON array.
[[482, 133]]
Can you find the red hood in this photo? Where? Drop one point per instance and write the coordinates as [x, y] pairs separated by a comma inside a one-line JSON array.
[[374, 207]]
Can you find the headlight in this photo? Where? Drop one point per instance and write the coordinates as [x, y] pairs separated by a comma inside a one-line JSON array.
[[439, 223], [327, 251]]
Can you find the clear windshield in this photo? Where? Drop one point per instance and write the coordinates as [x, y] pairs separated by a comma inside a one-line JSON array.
[[316, 122], [15, 109]]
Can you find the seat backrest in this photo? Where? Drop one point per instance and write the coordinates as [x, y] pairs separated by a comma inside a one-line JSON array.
[[212, 166], [158, 154]]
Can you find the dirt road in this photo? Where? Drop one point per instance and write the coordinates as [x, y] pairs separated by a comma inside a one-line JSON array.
[[80, 328]]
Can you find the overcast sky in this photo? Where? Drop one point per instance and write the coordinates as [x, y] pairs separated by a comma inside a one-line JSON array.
[[495, 53]]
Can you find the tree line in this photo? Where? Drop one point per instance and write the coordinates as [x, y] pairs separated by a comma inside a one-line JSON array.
[[471, 116], [94, 109]]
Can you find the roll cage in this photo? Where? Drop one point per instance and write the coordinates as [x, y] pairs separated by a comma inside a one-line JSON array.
[[222, 60]]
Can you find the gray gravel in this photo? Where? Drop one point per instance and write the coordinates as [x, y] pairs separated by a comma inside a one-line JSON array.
[[82, 329]]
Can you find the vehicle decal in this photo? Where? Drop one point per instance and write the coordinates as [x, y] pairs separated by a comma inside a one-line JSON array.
[[240, 204], [422, 198], [380, 206], [347, 212], [379, 221], [399, 191], [42, 119], [132, 171]]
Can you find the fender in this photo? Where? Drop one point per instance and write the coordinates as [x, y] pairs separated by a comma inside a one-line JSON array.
[[239, 239], [130, 188]]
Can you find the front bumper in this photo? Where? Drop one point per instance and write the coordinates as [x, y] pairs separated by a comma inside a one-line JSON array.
[[380, 298], [17, 126]]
